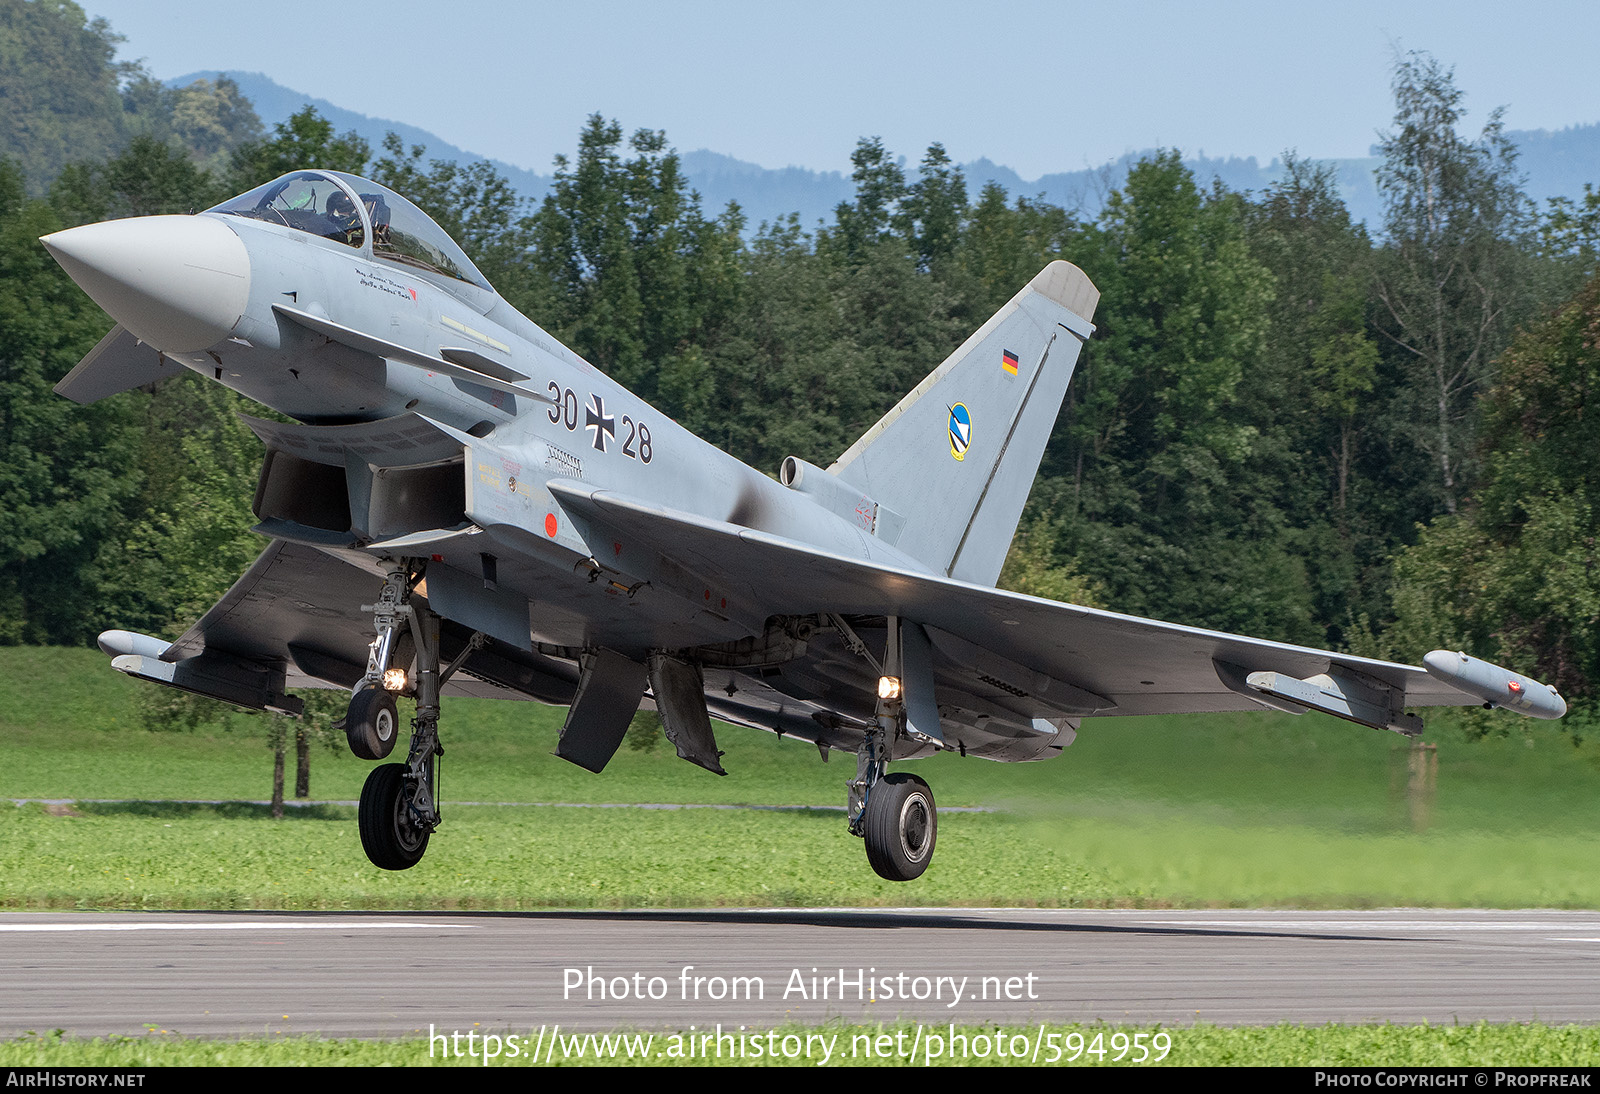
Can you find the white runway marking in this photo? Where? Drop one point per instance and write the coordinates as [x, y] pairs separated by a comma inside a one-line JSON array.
[[1379, 924], [260, 926]]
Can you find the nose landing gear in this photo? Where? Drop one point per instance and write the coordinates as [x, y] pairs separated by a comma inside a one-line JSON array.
[[371, 725], [399, 804]]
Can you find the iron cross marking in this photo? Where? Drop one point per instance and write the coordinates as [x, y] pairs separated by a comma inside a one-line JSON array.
[[596, 418]]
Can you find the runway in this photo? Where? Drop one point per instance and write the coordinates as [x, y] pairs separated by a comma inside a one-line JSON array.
[[395, 974]]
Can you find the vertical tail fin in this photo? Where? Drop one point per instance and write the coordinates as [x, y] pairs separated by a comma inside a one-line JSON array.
[[957, 456]]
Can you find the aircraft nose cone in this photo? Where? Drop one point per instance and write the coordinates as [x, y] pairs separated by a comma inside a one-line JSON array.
[[178, 283]]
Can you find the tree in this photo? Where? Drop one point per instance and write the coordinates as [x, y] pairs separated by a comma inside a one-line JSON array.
[[1183, 314], [1031, 568], [148, 178], [305, 142], [59, 82], [784, 376], [1456, 222], [1321, 266], [638, 279], [1515, 577], [1158, 467], [933, 211], [68, 100], [62, 467], [323, 708], [880, 186], [1315, 396], [1005, 245], [1570, 232], [187, 537], [213, 120], [585, 241]]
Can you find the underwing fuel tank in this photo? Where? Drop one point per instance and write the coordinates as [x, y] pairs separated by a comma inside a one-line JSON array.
[[1496, 686]]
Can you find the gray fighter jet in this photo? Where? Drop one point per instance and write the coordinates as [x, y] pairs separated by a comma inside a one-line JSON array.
[[464, 506]]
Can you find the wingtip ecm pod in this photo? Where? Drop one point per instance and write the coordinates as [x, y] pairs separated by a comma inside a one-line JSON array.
[[130, 643], [1496, 686]]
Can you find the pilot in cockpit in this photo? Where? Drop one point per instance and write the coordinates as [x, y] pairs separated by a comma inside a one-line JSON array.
[[341, 213]]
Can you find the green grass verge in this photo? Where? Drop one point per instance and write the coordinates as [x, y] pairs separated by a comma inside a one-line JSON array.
[[1242, 810], [1472, 1046], [235, 857]]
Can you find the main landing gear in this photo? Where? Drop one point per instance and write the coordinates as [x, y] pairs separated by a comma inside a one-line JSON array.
[[894, 814], [399, 803], [900, 825]]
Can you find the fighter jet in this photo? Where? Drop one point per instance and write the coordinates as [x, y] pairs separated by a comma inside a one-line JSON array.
[[463, 506]]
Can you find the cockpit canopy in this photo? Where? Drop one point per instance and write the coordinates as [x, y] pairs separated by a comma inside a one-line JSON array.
[[361, 214]]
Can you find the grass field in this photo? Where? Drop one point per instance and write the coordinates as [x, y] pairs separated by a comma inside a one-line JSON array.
[[1479, 1045], [1253, 810]]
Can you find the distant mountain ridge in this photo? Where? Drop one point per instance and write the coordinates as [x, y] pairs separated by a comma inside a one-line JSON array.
[[1556, 163]]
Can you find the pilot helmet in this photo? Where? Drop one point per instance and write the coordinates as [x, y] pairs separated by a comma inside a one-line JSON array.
[[340, 205]]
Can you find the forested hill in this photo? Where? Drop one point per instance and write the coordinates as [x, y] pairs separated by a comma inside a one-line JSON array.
[[64, 97], [275, 103], [1556, 164]]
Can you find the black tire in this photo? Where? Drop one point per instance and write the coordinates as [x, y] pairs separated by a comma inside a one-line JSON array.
[[388, 835], [372, 724], [900, 827]]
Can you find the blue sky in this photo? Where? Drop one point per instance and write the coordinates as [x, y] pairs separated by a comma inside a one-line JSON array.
[[1039, 87]]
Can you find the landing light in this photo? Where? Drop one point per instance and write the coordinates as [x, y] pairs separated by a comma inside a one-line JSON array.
[[394, 679], [888, 687]]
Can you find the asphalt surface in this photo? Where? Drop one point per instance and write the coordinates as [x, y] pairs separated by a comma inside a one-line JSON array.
[[397, 974]]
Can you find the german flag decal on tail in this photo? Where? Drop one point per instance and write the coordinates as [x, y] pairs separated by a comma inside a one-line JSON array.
[[1008, 361]]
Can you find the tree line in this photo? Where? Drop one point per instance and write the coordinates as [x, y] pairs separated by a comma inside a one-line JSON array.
[[1285, 424]]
